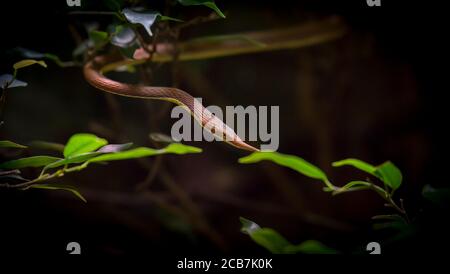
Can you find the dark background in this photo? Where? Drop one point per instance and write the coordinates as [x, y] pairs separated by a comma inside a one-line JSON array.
[[375, 94]]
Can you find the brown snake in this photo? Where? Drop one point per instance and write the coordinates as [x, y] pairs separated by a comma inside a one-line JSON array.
[[92, 73], [287, 38]]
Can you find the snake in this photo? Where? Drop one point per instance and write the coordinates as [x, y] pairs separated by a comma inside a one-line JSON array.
[[93, 74], [294, 37]]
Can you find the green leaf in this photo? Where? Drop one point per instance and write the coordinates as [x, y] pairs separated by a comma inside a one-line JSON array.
[[57, 60], [277, 244], [310, 247], [128, 154], [53, 187], [34, 161], [81, 143], [140, 152], [146, 19], [178, 148], [28, 53], [357, 164], [9, 144], [389, 174], [296, 163], [100, 38], [7, 80], [28, 62], [168, 18], [271, 240], [386, 172], [207, 3]]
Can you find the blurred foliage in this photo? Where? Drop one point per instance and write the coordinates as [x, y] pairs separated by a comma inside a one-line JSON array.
[[277, 244]]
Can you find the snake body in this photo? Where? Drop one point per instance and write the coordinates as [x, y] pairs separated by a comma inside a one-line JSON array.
[[93, 74], [304, 35]]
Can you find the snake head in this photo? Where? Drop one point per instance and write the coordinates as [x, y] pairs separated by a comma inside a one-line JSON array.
[[223, 132]]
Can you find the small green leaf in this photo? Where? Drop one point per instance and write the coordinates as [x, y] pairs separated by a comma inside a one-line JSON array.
[[389, 174], [389, 217], [28, 62], [310, 247], [81, 158], [53, 187], [271, 240], [34, 161], [81, 143], [9, 144], [248, 227], [123, 36], [146, 19], [100, 38], [357, 164], [178, 148], [113, 5], [168, 18], [296, 163], [207, 3], [7, 80]]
